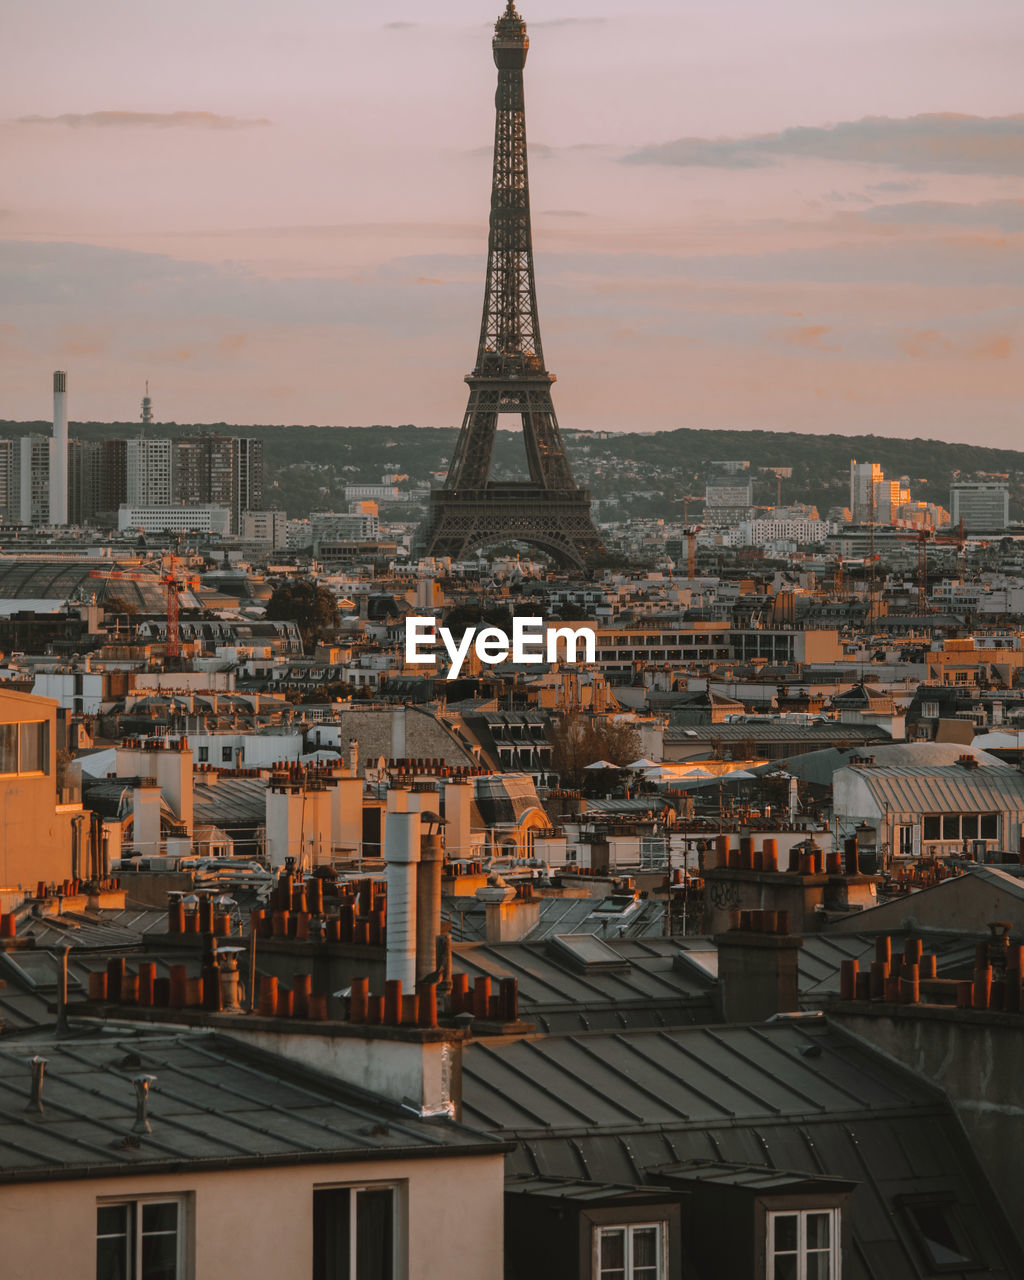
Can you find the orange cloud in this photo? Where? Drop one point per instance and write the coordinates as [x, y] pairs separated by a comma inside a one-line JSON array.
[[232, 343], [809, 335], [925, 343]]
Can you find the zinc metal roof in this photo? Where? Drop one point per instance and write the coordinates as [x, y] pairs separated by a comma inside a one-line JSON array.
[[646, 919], [647, 989], [759, 731], [794, 1096], [944, 788], [682, 1076], [230, 802], [213, 1102]]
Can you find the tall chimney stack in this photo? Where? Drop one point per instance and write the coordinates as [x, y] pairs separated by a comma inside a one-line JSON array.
[[59, 451]]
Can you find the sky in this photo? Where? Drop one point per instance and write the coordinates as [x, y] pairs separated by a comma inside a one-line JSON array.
[[790, 216]]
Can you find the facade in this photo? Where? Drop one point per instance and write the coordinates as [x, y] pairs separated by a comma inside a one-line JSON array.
[[866, 479], [267, 527], [97, 480], [8, 481], [168, 519], [755, 533], [236, 1163], [247, 478], [149, 472], [984, 507], [728, 495], [35, 828], [203, 470], [343, 526], [32, 499], [941, 810]]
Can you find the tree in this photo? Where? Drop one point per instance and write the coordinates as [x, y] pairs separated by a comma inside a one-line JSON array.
[[578, 739], [312, 608]]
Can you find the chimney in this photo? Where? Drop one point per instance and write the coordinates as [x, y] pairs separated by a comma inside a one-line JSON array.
[[401, 853], [353, 757], [142, 1084], [458, 801], [398, 733], [757, 967], [509, 918], [428, 900], [146, 817], [59, 451]]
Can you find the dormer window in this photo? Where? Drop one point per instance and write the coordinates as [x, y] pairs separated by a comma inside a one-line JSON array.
[[631, 1252], [803, 1244]]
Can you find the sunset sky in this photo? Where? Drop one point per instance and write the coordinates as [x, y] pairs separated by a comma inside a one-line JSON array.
[[792, 216]]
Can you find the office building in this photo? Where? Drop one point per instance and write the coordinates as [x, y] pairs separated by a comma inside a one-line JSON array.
[[983, 506]]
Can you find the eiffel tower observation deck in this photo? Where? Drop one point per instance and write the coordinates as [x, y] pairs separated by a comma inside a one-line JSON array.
[[548, 511]]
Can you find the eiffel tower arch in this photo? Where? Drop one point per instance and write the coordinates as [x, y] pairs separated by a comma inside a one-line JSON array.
[[548, 511]]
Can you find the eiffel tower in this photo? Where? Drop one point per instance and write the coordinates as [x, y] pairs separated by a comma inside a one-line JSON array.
[[548, 511]]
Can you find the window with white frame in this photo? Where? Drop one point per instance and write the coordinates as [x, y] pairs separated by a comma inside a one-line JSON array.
[[803, 1244], [636, 1251], [142, 1239], [354, 1233]]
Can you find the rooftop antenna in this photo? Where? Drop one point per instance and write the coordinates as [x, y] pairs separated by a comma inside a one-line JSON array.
[[147, 410]]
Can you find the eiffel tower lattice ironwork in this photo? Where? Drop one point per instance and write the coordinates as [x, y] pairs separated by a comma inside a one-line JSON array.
[[548, 511]]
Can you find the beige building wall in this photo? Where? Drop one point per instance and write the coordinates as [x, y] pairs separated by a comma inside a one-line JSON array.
[[258, 1224], [35, 833]]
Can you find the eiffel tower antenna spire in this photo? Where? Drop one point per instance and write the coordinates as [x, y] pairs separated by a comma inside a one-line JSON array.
[[549, 512]]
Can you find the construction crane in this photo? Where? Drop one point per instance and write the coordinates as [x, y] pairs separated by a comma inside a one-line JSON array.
[[921, 537], [686, 500], [173, 580], [691, 531]]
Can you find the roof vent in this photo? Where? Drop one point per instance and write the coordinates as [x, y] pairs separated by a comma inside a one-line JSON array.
[[38, 1066], [142, 1084]]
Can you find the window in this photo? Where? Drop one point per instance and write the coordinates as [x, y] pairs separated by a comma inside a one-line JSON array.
[[940, 1234], [634, 1252], [354, 1233], [140, 1240], [227, 755], [204, 755], [25, 748], [803, 1245]]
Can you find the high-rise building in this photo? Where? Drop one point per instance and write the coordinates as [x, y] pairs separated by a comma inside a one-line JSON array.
[[85, 480], [8, 485], [203, 469], [58, 470], [221, 470], [728, 494], [983, 506], [30, 500], [247, 488], [865, 479], [149, 469]]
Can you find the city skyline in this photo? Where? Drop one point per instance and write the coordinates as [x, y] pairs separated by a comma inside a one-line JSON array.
[[812, 225]]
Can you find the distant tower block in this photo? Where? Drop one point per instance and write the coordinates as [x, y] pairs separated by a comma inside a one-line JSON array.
[[548, 511], [147, 407], [59, 450]]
